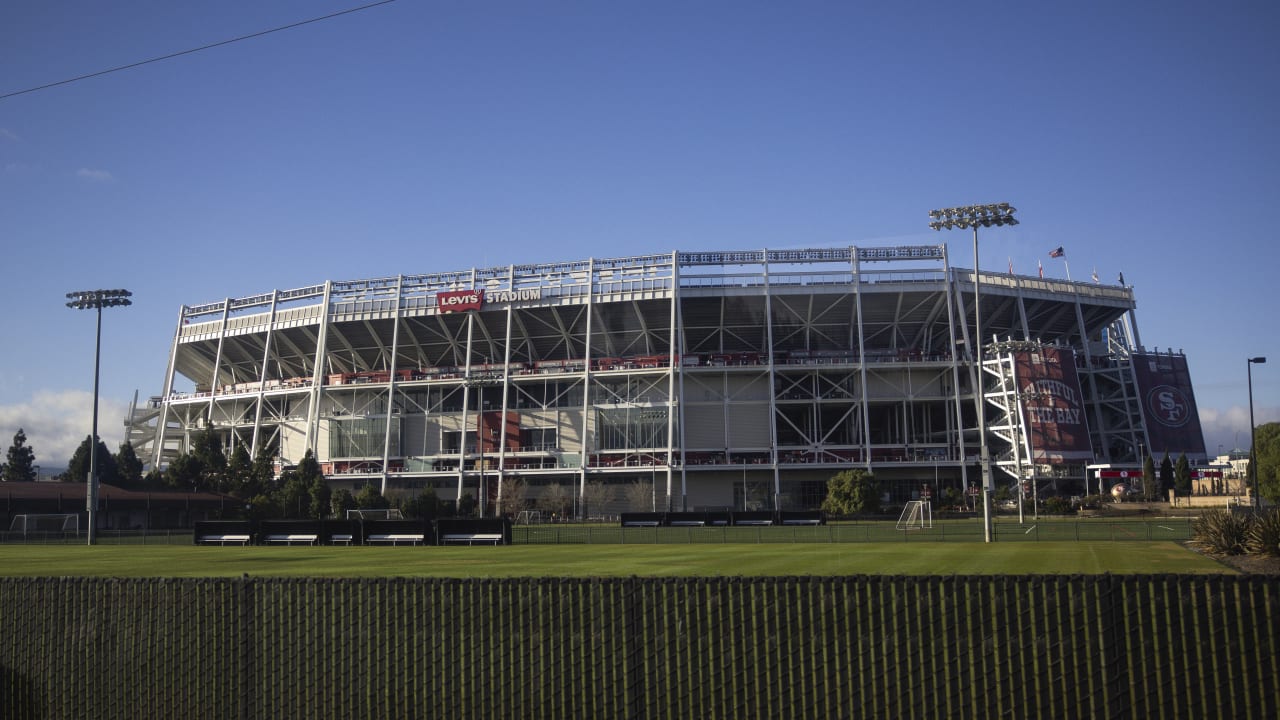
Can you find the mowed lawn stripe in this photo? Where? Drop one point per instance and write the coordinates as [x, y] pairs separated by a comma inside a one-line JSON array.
[[768, 559]]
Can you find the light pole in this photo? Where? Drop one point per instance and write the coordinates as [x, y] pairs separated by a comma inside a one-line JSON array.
[[965, 217], [1253, 437], [84, 300]]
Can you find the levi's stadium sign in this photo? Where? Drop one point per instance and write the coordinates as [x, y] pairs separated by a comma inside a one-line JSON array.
[[462, 300], [459, 300]]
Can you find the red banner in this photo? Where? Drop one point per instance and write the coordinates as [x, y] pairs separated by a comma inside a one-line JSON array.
[[1168, 405], [459, 300], [1052, 405]]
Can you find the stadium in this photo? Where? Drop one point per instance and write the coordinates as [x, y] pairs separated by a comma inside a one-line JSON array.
[[680, 381]]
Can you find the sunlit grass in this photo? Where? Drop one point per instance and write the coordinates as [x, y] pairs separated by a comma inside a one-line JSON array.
[[770, 559]]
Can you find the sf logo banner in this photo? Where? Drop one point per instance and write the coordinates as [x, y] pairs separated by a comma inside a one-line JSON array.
[[1169, 406]]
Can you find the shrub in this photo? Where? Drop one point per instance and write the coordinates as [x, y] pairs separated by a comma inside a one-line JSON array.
[[1221, 532], [1093, 501], [1055, 506], [1264, 535]]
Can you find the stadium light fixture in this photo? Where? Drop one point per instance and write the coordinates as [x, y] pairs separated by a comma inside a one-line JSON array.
[[96, 300], [965, 217], [1253, 436]]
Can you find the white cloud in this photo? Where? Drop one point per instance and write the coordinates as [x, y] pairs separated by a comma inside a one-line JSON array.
[[1229, 427], [56, 423], [5, 134], [94, 175]]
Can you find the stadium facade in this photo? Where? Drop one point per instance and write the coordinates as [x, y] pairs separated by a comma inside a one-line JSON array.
[[706, 380]]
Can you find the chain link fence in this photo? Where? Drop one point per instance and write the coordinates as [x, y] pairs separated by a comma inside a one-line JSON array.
[[865, 646]]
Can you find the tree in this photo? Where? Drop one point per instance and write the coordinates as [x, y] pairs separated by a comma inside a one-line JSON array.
[[370, 498], [292, 495], [129, 466], [340, 502], [1001, 495], [952, 498], [595, 496], [467, 505], [262, 507], [238, 480], [206, 447], [1266, 454], [264, 468], [78, 467], [184, 472], [20, 465], [317, 487], [555, 500], [1166, 477], [1182, 477], [423, 505], [851, 492], [514, 492], [640, 496], [1150, 491]]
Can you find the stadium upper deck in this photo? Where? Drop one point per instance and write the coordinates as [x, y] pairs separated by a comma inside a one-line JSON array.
[[730, 379]]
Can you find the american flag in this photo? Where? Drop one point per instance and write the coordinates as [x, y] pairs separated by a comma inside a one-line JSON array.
[[1058, 252]]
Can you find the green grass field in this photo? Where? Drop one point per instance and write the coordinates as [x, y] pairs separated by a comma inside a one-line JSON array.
[[778, 559]]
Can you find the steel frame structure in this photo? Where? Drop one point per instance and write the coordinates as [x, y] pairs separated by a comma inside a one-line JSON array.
[[734, 379]]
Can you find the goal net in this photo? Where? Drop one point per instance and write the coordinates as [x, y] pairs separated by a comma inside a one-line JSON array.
[[530, 517], [369, 514], [917, 515], [47, 524]]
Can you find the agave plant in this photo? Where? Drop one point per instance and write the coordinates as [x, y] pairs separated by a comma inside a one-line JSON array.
[[1264, 535], [1221, 532]]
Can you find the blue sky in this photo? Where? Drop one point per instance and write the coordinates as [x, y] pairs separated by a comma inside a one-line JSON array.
[[423, 136]]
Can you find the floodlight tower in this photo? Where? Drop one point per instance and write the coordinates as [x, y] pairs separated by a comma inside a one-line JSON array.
[[84, 300], [973, 216]]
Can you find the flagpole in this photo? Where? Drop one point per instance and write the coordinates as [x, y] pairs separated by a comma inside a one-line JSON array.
[[1066, 265]]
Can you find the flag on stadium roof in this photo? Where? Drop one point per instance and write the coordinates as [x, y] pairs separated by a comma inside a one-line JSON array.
[[1057, 253]]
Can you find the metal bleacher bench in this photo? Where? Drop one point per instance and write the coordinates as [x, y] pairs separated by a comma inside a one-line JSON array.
[[224, 539], [396, 538], [309, 539], [471, 538]]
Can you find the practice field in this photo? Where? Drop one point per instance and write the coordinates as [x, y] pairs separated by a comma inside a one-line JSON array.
[[919, 558]]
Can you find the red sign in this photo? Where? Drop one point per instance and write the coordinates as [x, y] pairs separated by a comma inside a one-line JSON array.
[[1120, 474], [1206, 473], [1053, 405], [459, 300]]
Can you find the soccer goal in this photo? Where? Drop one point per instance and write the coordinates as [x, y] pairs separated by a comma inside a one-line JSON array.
[[370, 514], [530, 517], [46, 524], [917, 515]]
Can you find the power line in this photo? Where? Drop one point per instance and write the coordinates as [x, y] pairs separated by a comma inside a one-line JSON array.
[[196, 50]]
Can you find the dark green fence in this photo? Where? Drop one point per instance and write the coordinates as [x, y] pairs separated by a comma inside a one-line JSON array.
[[1173, 529], [1025, 647], [969, 530]]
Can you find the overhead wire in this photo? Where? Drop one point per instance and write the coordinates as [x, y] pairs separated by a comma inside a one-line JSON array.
[[170, 56]]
